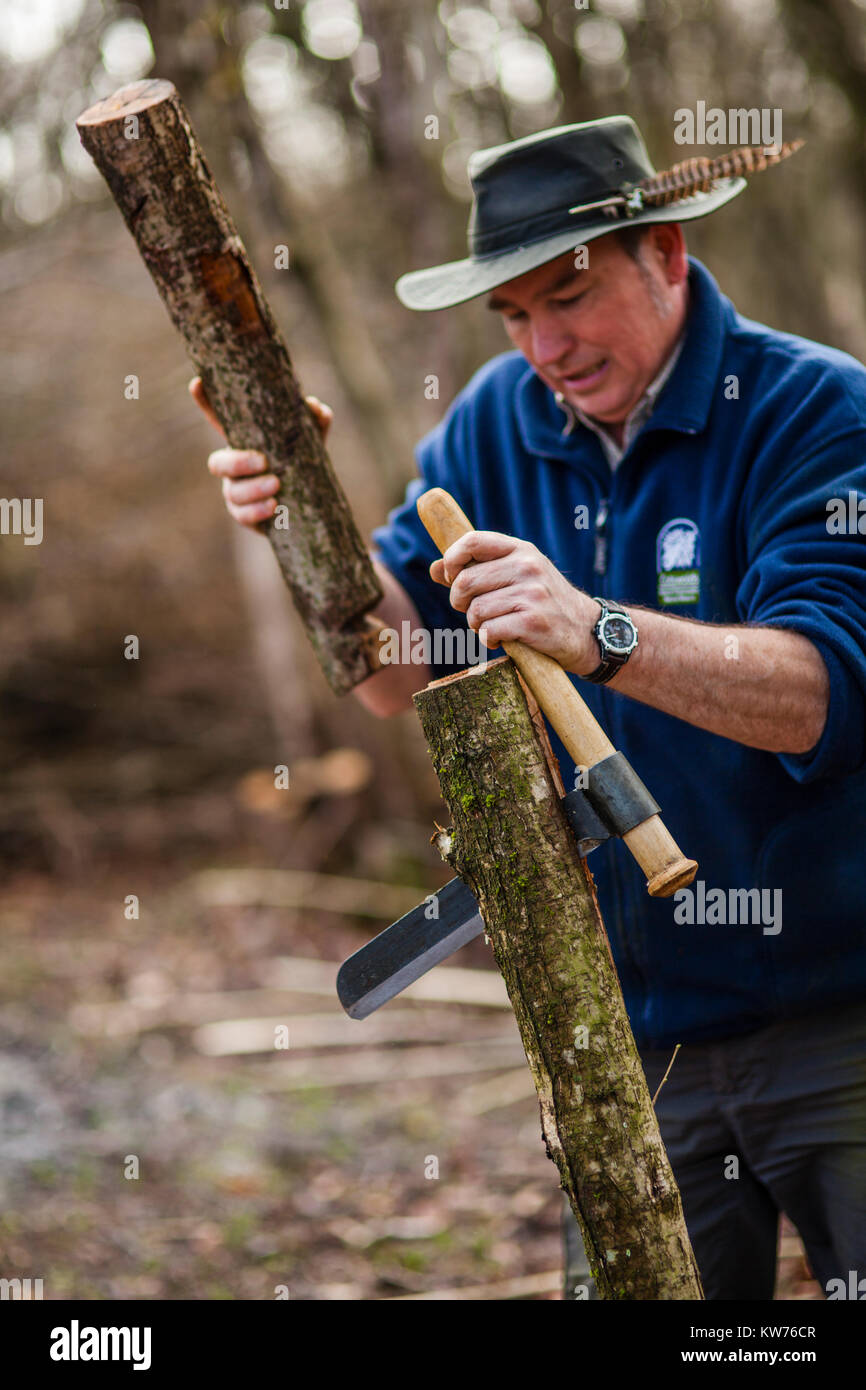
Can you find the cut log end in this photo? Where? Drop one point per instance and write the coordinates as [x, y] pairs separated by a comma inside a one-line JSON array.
[[128, 101], [466, 674]]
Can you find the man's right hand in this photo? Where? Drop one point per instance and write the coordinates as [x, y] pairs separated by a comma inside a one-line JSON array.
[[248, 488]]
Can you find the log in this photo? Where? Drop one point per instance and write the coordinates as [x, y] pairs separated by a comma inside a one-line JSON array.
[[143, 144], [511, 844]]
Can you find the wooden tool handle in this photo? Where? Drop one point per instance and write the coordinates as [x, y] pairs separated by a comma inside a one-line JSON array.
[[652, 845]]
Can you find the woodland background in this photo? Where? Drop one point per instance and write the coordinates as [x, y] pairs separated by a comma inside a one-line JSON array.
[[154, 777]]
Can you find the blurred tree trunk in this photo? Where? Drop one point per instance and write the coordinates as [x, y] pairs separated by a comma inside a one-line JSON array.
[[831, 36], [422, 224], [775, 213], [555, 27]]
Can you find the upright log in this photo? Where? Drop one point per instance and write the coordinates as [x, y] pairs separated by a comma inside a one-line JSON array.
[[511, 844], [143, 144]]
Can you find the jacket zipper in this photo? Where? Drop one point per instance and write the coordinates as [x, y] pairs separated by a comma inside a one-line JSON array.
[[599, 560]]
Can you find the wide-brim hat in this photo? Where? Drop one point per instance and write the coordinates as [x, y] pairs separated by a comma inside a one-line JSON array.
[[536, 198]]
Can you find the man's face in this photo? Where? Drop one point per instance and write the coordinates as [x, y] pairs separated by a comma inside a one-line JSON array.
[[600, 335]]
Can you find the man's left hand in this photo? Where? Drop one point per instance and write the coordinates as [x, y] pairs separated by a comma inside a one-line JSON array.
[[510, 592]]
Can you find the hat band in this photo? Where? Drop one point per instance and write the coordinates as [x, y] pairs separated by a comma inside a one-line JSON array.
[[525, 232]]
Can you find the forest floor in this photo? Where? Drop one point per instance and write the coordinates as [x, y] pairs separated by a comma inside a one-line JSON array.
[[157, 1142]]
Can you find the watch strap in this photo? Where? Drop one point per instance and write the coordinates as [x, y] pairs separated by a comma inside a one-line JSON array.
[[605, 670], [611, 661]]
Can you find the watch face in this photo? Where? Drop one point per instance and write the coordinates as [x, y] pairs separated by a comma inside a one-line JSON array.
[[618, 633]]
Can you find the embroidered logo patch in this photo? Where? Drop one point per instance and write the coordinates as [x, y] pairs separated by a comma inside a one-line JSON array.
[[678, 559]]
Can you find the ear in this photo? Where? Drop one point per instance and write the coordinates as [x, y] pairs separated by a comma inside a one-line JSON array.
[[667, 246]]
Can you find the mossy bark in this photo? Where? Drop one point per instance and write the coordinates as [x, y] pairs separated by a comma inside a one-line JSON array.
[[511, 844], [143, 144]]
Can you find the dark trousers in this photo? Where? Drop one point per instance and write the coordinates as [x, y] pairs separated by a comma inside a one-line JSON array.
[[773, 1121]]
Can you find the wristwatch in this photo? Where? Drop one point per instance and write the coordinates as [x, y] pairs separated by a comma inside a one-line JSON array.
[[617, 638]]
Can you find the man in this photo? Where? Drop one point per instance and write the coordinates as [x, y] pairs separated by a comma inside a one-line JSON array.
[[648, 452]]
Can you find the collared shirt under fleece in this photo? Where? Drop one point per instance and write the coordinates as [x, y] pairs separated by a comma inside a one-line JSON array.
[[636, 418], [753, 435]]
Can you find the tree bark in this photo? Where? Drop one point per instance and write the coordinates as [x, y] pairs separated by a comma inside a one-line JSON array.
[[143, 145], [511, 844]]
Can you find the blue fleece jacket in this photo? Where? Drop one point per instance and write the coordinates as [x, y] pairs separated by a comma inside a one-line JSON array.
[[738, 502]]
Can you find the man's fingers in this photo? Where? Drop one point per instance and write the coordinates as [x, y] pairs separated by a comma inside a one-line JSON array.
[[248, 488], [199, 395], [253, 512], [321, 413], [477, 562], [240, 491], [476, 545], [483, 578], [487, 607], [508, 628], [237, 463]]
